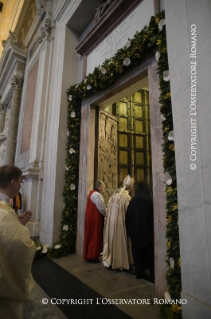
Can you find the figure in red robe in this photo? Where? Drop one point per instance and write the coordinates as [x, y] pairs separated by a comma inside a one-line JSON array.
[[95, 212]]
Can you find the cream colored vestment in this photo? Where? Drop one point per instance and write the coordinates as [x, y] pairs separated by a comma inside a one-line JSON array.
[[117, 248], [17, 251]]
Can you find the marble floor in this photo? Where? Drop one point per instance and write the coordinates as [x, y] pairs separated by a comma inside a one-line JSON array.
[[110, 284]]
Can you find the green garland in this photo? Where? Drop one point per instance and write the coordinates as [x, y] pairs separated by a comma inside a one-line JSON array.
[[143, 43], [173, 274]]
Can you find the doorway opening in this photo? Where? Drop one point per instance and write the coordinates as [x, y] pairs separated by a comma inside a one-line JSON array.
[[93, 149], [124, 139]]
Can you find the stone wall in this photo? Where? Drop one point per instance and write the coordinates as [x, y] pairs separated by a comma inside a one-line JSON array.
[[193, 184]]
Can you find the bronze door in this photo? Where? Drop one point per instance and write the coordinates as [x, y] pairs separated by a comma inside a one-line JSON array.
[[134, 147], [124, 145], [107, 152]]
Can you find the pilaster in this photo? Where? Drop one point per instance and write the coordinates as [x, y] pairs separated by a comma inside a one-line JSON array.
[[13, 120], [31, 197], [2, 116]]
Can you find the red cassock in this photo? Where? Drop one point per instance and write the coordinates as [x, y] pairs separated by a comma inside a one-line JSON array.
[[93, 239]]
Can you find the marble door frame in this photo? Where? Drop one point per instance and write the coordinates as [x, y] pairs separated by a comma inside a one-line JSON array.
[[87, 158]]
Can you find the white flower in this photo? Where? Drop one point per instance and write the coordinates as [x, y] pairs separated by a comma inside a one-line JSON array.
[[167, 296], [38, 248], [71, 150], [166, 76], [103, 70], [65, 227], [171, 136], [44, 251], [128, 43], [157, 55], [162, 117], [72, 187], [72, 114], [168, 179], [171, 261], [57, 246], [66, 168], [88, 87], [126, 61], [85, 80], [70, 98], [161, 24], [68, 133], [45, 245]]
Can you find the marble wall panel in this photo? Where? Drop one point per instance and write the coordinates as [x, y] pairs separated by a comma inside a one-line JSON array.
[[118, 38], [29, 108], [193, 185], [64, 69], [86, 167], [158, 178]]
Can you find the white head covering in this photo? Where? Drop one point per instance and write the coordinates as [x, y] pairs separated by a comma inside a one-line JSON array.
[[128, 182]]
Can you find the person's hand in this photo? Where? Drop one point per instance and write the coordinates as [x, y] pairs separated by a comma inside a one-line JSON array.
[[25, 217]]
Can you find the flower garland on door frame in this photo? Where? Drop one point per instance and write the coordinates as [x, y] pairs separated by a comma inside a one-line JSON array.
[[144, 42]]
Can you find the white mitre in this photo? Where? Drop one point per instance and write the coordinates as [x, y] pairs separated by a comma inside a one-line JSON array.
[[128, 181]]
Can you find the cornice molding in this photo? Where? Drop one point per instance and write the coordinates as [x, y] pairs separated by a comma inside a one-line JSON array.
[[58, 6], [17, 83], [12, 62], [102, 8], [45, 31], [44, 34], [41, 6], [13, 40]]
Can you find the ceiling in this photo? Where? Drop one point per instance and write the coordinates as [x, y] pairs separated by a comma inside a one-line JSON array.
[[8, 18]]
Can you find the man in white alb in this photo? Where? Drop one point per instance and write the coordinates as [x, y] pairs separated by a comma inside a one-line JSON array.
[[117, 249]]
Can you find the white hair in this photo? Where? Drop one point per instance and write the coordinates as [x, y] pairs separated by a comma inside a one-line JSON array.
[[99, 183]]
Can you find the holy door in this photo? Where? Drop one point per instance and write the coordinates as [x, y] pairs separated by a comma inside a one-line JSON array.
[[134, 144], [124, 142], [107, 153]]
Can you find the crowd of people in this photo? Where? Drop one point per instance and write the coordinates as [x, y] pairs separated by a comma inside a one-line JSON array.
[[122, 233]]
